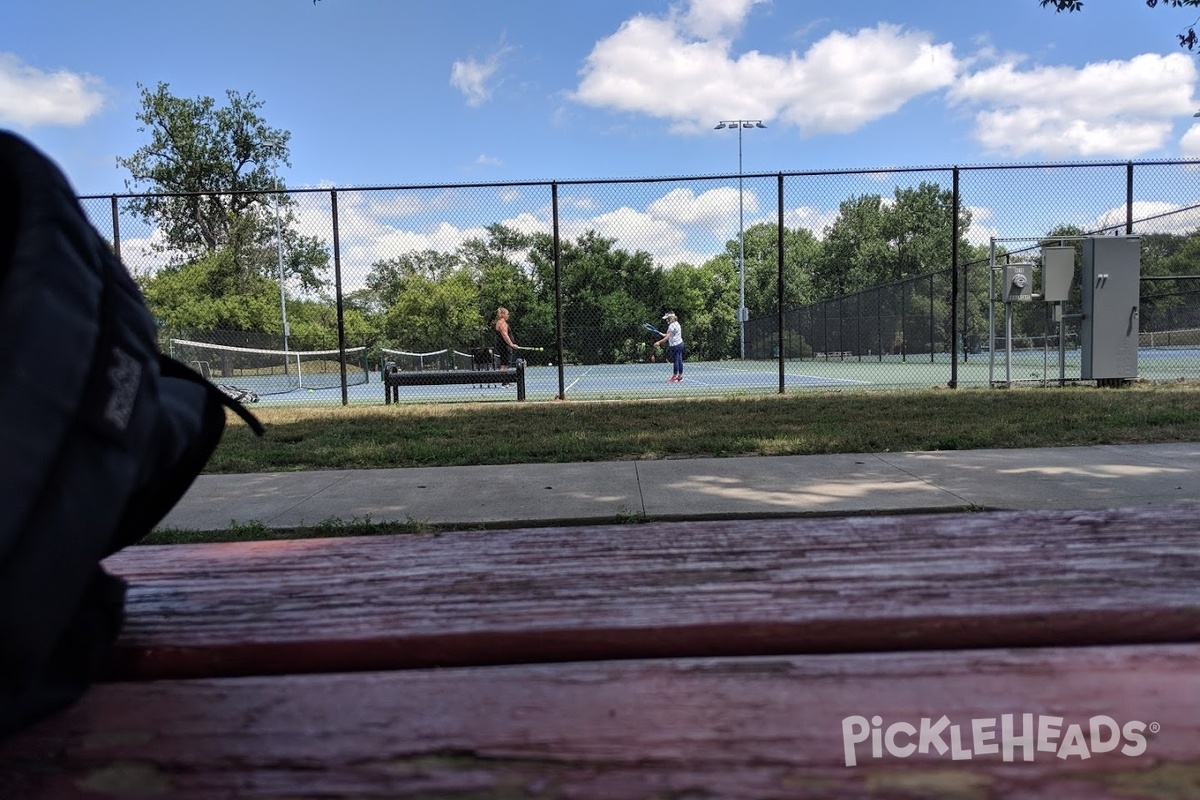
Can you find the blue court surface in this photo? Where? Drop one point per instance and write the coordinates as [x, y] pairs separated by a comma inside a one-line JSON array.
[[639, 381], [588, 382]]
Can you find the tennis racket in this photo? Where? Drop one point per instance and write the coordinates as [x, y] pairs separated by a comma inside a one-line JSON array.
[[652, 329]]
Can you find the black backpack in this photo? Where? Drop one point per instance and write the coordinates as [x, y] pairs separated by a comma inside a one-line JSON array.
[[100, 435]]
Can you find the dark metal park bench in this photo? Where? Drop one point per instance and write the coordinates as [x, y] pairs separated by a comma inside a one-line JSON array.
[[989, 655], [394, 378]]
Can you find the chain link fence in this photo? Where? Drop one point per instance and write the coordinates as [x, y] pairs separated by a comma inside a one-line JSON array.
[[849, 279]]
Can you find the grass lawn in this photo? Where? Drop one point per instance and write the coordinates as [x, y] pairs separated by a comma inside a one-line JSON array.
[[793, 424]]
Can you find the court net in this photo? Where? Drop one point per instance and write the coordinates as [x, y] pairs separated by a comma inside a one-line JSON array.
[[1155, 340], [272, 371], [435, 359]]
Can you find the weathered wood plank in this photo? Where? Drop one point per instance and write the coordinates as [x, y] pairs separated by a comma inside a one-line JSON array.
[[662, 590], [767, 727]]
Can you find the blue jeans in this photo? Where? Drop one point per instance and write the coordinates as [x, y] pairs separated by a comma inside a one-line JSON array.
[[676, 351]]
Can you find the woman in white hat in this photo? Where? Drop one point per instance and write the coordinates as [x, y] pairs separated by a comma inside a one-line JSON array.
[[674, 339]]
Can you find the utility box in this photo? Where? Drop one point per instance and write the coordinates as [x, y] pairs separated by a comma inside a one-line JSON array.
[[1018, 283], [1110, 298], [1058, 271]]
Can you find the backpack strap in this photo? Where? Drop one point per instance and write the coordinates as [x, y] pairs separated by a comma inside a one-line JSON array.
[[166, 483], [172, 368]]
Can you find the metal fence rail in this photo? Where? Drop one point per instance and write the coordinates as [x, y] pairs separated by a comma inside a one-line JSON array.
[[852, 278]]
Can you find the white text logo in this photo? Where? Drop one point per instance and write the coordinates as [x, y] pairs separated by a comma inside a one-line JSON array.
[[1010, 737]]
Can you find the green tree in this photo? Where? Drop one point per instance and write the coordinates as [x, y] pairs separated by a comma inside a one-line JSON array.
[[856, 254], [314, 325], [497, 268], [388, 280], [433, 314], [903, 249], [206, 178], [209, 295], [873, 242], [920, 229], [706, 299], [974, 291], [608, 294], [1167, 305], [801, 256], [501, 268]]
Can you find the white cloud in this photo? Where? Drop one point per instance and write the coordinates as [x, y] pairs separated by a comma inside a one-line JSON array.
[[1114, 108], [813, 219], [31, 97], [144, 256], [714, 210], [681, 67], [1151, 216], [666, 241], [983, 227], [472, 77], [1189, 144], [846, 81], [716, 19]]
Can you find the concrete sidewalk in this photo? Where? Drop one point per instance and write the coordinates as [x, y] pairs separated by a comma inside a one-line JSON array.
[[1105, 476]]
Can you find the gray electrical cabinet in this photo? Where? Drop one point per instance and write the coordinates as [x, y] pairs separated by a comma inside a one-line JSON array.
[[1110, 297], [1058, 271]]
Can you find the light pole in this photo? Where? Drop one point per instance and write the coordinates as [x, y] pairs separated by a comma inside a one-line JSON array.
[[740, 124]]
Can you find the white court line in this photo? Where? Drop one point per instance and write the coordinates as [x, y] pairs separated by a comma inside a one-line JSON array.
[[808, 379], [571, 385], [790, 376], [618, 383], [827, 380]]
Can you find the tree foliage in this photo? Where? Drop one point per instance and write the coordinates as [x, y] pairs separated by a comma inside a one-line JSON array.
[[209, 180], [875, 241], [198, 165], [1188, 40]]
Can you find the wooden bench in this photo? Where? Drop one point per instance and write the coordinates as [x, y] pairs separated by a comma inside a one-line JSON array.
[[394, 378], [727, 659]]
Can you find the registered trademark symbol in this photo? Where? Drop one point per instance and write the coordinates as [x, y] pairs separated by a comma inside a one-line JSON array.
[[1155, 727]]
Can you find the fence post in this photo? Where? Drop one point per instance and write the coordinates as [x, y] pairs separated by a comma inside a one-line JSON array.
[[1129, 199], [558, 323], [954, 286], [116, 228], [779, 284], [337, 294]]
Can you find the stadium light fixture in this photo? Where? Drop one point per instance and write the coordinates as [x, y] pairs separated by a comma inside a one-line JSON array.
[[741, 124]]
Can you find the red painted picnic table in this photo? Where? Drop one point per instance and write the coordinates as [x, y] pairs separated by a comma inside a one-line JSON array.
[[1031, 654]]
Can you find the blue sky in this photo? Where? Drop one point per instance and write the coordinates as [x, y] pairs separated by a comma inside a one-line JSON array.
[[394, 92]]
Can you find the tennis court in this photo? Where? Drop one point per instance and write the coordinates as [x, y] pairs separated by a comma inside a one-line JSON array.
[[724, 378], [590, 382]]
